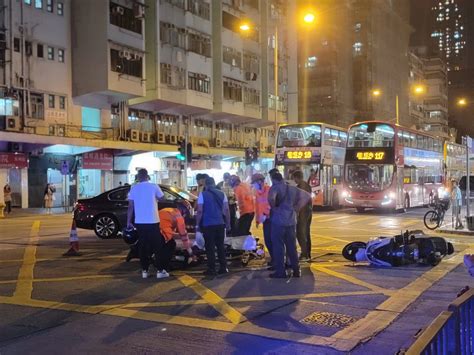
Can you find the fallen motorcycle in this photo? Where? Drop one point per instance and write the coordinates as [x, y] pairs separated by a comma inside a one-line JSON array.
[[411, 247]]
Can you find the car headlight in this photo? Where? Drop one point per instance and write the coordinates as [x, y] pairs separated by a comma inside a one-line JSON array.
[[345, 194]]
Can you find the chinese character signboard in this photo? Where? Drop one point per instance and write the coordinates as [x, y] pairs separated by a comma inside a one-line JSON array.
[[102, 160], [13, 160]]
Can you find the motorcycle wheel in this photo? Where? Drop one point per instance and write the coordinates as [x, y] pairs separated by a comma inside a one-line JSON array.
[[431, 220], [350, 250]]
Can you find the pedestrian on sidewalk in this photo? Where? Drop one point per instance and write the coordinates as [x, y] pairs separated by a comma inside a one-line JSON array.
[[225, 187], [262, 210], [143, 211], [49, 197], [285, 201], [211, 219], [245, 204], [7, 197], [305, 216], [456, 200]]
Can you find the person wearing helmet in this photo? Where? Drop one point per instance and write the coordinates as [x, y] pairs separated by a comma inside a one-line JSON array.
[[262, 209], [245, 204]]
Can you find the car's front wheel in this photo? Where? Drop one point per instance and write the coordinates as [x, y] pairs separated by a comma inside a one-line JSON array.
[[106, 227]]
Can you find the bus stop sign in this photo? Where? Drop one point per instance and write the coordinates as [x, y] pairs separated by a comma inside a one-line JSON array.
[[64, 167]]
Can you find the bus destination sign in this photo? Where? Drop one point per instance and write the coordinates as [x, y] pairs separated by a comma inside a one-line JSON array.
[[383, 155], [370, 155], [299, 155]]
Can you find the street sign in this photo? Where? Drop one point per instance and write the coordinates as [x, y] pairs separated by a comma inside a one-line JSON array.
[[65, 167]]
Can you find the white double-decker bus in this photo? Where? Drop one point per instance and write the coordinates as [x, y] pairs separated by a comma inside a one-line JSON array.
[[317, 149]]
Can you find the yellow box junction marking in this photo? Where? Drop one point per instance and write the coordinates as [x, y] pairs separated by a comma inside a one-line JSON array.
[[213, 299], [24, 286]]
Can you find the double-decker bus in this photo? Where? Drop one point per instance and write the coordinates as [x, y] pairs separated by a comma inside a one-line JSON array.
[[454, 160], [317, 149], [391, 167]]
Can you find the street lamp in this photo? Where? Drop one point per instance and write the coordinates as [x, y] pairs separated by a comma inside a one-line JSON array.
[[308, 19], [419, 89], [462, 102], [376, 92]]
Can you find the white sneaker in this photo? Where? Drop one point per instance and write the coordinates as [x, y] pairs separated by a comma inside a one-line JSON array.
[[144, 274], [162, 274]]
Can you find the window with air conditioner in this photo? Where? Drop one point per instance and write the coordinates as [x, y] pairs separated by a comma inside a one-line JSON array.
[[251, 96], [232, 90], [199, 43], [124, 62], [200, 8], [125, 17]]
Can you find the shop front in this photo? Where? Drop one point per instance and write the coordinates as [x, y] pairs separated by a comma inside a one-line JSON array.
[[14, 171], [96, 174]]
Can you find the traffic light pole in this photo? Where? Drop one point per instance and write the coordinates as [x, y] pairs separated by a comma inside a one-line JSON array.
[[185, 172]]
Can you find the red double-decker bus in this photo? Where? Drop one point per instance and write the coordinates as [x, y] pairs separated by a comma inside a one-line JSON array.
[[391, 167]]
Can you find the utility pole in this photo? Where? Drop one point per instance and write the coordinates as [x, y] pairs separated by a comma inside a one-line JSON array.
[[468, 176]]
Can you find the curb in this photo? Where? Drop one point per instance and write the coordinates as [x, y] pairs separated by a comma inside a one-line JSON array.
[[458, 232]]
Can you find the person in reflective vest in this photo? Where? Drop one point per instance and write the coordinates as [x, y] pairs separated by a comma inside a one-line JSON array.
[[244, 197], [262, 210]]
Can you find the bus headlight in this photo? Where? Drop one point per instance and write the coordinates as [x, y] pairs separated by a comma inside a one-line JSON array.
[[345, 194], [392, 195]]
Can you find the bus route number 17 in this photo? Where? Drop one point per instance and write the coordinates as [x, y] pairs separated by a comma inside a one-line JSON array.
[[370, 155]]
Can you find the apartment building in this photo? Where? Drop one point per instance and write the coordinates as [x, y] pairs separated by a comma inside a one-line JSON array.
[[120, 76], [360, 46]]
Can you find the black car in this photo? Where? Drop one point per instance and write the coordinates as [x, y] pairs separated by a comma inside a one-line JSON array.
[[106, 213]]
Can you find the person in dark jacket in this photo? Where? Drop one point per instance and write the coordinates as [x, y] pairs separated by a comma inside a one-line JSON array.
[[285, 201], [305, 215], [211, 219]]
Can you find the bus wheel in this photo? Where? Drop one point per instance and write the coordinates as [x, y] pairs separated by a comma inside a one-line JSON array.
[[360, 209], [335, 200], [406, 203]]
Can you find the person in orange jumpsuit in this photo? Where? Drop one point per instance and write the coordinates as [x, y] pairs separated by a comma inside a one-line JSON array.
[[172, 223], [262, 210], [245, 203]]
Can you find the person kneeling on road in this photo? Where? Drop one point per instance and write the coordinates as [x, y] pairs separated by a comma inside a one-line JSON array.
[[212, 218], [172, 223]]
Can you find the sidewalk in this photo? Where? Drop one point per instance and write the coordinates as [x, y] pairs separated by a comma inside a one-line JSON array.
[[449, 223], [28, 212]]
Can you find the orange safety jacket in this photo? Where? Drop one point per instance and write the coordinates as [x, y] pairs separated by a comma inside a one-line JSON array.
[[262, 207], [244, 197], [172, 223]]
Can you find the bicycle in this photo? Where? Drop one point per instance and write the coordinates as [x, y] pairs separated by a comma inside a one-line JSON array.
[[435, 217]]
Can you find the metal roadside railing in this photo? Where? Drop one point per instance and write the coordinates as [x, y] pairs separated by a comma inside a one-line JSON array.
[[452, 332]]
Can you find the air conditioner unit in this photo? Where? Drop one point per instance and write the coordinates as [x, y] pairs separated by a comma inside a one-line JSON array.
[[179, 56], [249, 76], [133, 135], [125, 54], [138, 10], [15, 147], [146, 137], [13, 124], [161, 138], [217, 143], [172, 139], [115, 110], [118, 10]]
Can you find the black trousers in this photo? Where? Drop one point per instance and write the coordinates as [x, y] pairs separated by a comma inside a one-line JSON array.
[[233, 216], [165, 255], [150, 242], [244, 224], [214, 239], [303, 230], [8, 206]]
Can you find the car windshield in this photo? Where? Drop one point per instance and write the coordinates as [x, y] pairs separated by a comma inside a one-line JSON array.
[[369, 178], [299, 136], [374, 135], [183, 194]]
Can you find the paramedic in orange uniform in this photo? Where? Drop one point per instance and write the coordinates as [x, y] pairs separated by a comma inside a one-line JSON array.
[[244, 197], [172, 223]]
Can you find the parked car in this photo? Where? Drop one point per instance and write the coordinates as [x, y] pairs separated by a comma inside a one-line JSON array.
[[106, 213]]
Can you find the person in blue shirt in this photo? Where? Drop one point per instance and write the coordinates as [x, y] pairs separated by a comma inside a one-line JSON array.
[[456, 198]]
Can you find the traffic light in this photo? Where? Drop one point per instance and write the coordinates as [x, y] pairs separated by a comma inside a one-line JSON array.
[[181, 150], [189, 152]]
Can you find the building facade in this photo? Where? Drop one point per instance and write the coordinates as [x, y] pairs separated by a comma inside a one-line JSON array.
[[362, 46], [118, 77]]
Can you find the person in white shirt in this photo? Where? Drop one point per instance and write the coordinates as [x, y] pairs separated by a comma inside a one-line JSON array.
[[142, 204]]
